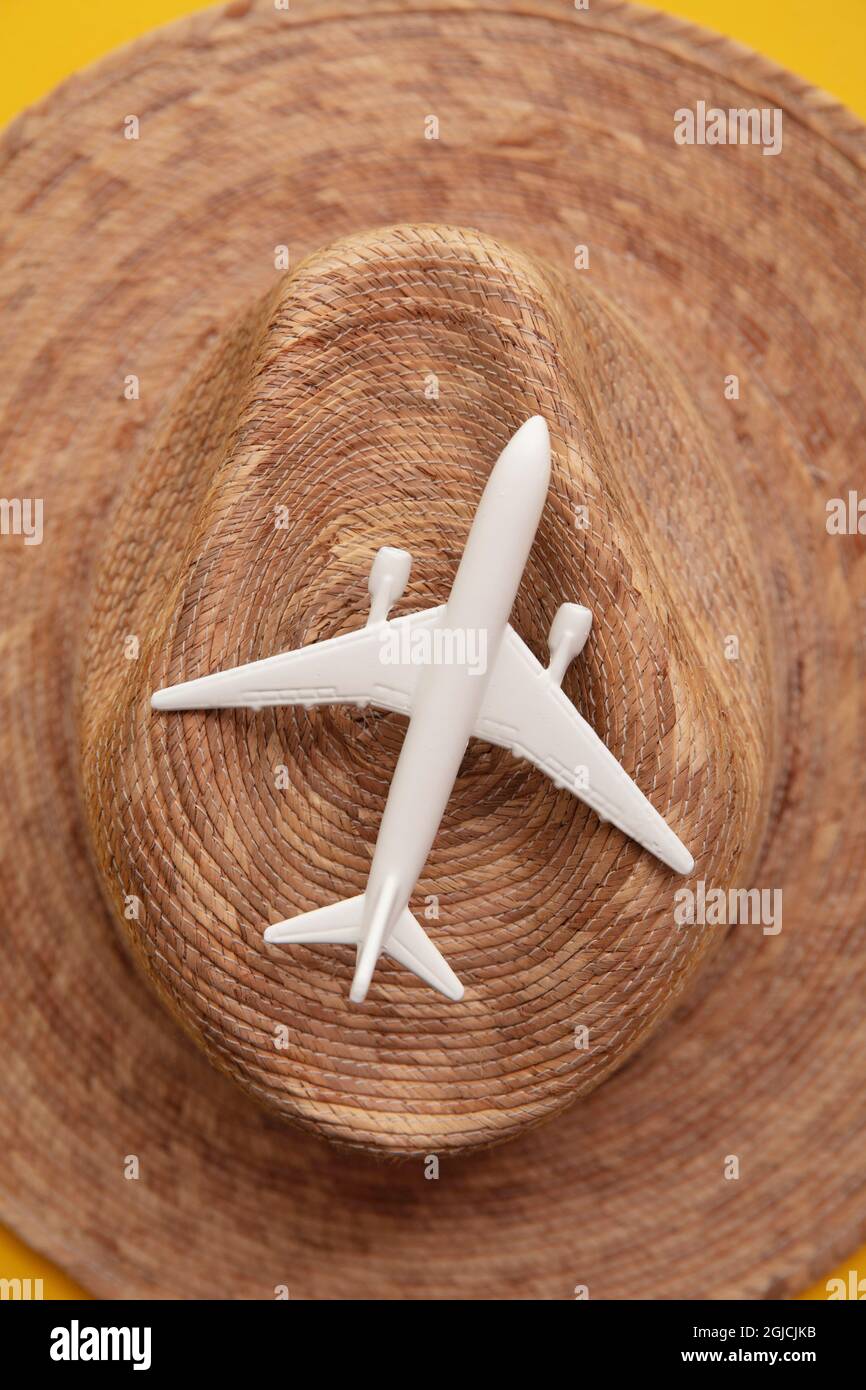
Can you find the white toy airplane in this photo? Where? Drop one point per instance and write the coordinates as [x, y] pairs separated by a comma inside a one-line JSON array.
[[420, 665]]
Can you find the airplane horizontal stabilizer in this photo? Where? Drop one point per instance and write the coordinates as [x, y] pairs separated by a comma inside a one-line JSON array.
[[410, 946], [341, 924], [337, 924]]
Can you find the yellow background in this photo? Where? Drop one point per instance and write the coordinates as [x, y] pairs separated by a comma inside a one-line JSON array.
[[43, 41]]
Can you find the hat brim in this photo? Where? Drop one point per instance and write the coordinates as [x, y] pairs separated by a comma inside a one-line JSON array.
[[298, 129]]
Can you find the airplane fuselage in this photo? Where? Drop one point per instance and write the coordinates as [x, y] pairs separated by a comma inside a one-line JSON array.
[[450, 694]]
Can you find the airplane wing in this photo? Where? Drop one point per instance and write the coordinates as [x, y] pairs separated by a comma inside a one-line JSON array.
[[369, 666], [525, 710]]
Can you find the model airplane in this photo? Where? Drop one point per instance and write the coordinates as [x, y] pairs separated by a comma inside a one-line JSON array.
[[421, 666]]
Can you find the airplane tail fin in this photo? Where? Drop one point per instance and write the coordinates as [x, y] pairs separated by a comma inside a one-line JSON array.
[[342, 923]]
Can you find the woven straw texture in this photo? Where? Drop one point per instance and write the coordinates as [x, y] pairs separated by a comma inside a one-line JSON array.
[[315, 413], [706, 519]]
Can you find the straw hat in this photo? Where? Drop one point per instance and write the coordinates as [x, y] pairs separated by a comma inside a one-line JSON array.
[[486, 215]]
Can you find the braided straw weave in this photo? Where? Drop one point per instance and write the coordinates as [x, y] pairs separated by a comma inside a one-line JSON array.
[[316, 404], [310, 393]]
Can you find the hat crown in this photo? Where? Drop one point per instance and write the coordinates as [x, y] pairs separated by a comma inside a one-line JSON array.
[[362, 403]]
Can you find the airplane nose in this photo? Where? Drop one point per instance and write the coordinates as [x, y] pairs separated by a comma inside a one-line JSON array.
[[526, 457], [533, 436]]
